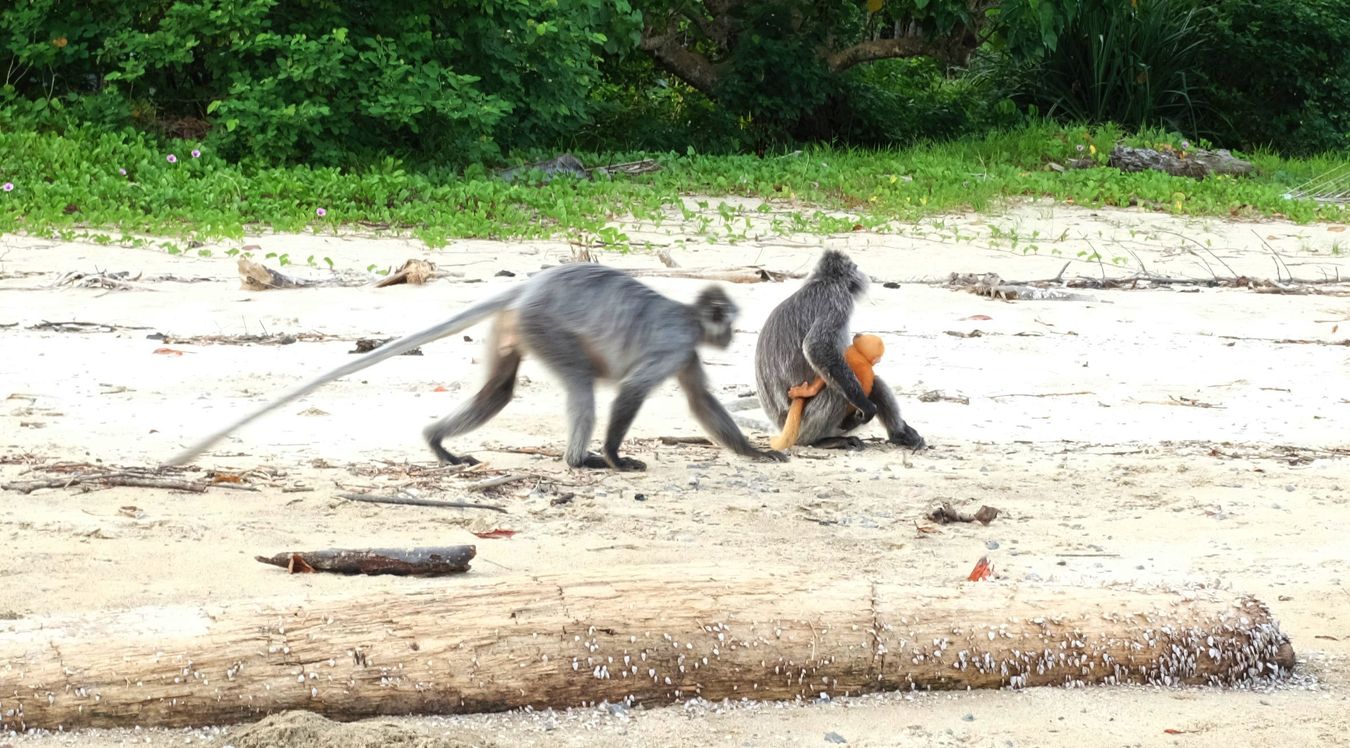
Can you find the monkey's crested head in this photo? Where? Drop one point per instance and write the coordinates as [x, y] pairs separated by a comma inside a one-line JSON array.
[[836, 267], [716, 315]]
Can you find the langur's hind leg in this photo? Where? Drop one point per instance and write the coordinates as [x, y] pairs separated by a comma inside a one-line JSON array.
[[504, 361]]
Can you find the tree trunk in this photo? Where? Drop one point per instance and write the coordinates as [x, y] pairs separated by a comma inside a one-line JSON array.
[[656, 635]]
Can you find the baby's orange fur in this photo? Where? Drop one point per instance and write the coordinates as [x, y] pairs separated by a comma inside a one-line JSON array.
[[865, 353]]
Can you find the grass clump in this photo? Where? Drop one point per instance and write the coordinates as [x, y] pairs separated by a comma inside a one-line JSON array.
[[91, 181]]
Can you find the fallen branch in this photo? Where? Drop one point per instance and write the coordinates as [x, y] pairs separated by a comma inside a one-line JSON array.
[[264, 339], [87, 476], [418, 562], [1188, 402], [1286, 341], [120, 280], [651, 635], [701, 441], [735, 275], [108, 480], [990, 284], [409, 501], [1041, 394], [82, 327], [537, 451], [500, 480]]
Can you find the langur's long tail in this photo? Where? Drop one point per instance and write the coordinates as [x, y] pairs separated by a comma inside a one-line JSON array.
[[457, 323], [791, 426]]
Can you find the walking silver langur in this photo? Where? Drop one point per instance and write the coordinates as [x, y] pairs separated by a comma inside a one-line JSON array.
[[586, 323]]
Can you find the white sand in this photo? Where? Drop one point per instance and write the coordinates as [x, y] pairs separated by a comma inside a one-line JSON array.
[[1121, 469]]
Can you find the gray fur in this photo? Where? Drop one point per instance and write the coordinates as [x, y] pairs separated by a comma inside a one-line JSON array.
[[586, 323], [805, 336]]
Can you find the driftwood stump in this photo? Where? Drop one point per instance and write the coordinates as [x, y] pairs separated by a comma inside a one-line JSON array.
[[658, 635], [254, 276], [1196, 164]]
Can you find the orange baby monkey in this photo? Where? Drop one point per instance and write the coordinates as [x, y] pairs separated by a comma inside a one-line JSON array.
[[861, 357]]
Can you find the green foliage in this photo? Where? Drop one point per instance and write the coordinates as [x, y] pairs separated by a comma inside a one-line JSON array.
[[773, 75], [314, 80], [640, 108], [1107, 60], [1030, 29], [1282, 73], [785, 70], [74, 182], [904, 101], [884, 103]]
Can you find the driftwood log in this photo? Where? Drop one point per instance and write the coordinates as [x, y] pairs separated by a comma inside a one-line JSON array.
[[435, 561], [659, 635], [1197, 164], [254, 276]]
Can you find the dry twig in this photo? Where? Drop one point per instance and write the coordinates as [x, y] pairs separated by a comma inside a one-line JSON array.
[[410, 501]]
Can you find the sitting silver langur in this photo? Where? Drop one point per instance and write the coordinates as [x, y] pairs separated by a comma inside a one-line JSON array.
[[804, 337]]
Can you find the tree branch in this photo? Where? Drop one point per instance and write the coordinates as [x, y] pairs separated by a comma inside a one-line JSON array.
[[691, 67], [882, 49]]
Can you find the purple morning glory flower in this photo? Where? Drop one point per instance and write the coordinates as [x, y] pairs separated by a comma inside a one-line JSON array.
[[123, 172], [172, 159], [7, 187], [1185, 144], [320, 212], [196, 153]]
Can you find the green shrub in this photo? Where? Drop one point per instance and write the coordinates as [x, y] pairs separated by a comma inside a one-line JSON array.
[[903, 101], [638, 107], [312, 80], [883, 103], [1098, 61], [1279, 73]]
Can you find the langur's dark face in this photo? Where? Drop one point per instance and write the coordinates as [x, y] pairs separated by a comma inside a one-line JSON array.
[[716, 316], [718, 319]]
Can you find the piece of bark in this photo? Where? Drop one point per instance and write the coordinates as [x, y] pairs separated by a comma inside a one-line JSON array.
[[413, 271], [945, 513], [366, 345], [254, 276], [652, 635], [417, 562], [1196, 164]]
